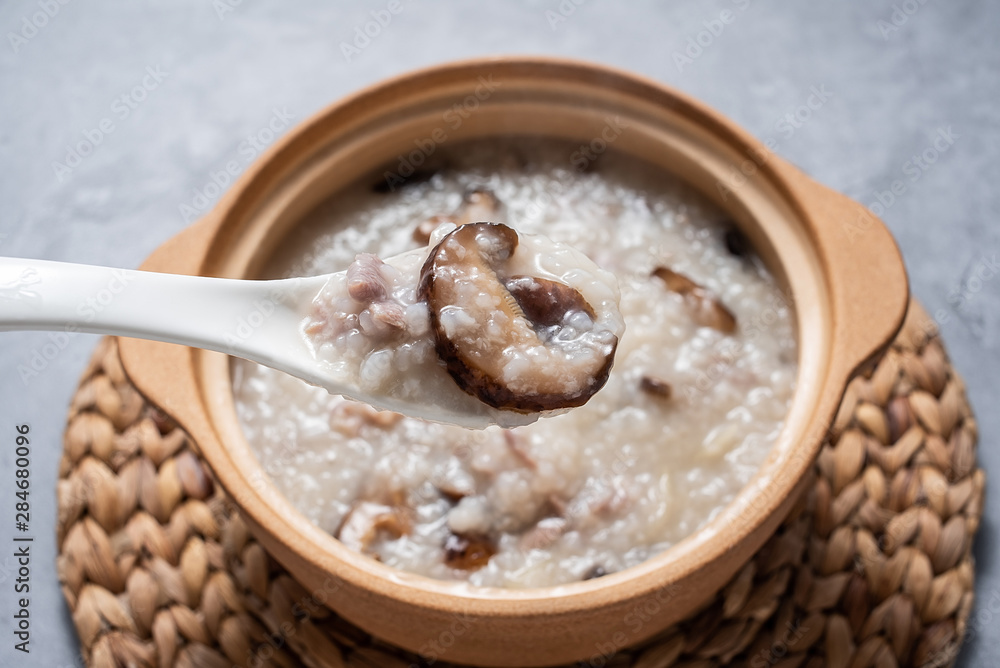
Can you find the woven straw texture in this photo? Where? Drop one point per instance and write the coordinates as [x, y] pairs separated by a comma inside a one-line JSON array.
[[872, 567]]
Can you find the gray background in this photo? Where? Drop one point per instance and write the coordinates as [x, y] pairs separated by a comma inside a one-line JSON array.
[[890, 94]]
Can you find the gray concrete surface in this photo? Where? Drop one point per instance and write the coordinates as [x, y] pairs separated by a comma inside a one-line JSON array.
[[894, 82]]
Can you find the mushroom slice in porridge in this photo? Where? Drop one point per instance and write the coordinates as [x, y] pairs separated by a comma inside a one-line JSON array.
[[479, 205], [468, 553], [366, 520], [656, 387], [706, 308]]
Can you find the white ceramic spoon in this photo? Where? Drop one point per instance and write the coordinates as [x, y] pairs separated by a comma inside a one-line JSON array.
[[257, 320]]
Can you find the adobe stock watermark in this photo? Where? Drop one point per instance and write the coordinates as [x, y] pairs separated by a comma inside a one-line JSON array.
[[407, 164], [248, 149], [730, 351], [541, 203], [19, 289], [242, 330], [902, 526], [40, 358], [122, 107], [32, 24], [776, 652], [794, 120], [284, 630], [901, 14], [913, 169], [434, 650], [581, 158], [562, 12], [635, 620], [977, 276], [705, 38], [960, 297], [369, 30], [261, 311], [587, 153], [983, 619], [786, 126], [760, 496], [224, 7]]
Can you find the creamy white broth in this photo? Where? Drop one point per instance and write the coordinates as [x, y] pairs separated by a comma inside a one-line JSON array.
[[688, 414]]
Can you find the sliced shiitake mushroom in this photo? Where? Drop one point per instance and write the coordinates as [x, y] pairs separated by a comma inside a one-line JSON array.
[[422, 232], [366, 520], [595, 572], [484, 321], [737, 243], [705, 307], [468, 553], [452, 493], [351, 417], [477, 204], [545, 532], [656, 387], [546, 302], [391, 181]]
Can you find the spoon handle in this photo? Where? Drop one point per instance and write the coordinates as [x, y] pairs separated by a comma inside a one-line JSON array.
[[256, 320], [212, 313]]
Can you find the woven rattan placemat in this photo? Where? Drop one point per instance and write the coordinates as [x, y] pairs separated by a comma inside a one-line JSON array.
[[872, 568]]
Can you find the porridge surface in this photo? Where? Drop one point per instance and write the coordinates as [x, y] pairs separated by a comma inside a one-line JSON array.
[[688, 414]]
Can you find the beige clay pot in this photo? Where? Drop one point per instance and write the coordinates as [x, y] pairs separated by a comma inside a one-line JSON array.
[[838, 264]]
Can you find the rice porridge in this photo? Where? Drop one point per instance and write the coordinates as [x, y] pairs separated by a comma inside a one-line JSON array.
[[701, 382]]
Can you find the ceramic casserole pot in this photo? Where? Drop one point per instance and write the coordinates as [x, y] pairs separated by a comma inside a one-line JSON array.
[[837, 262]]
